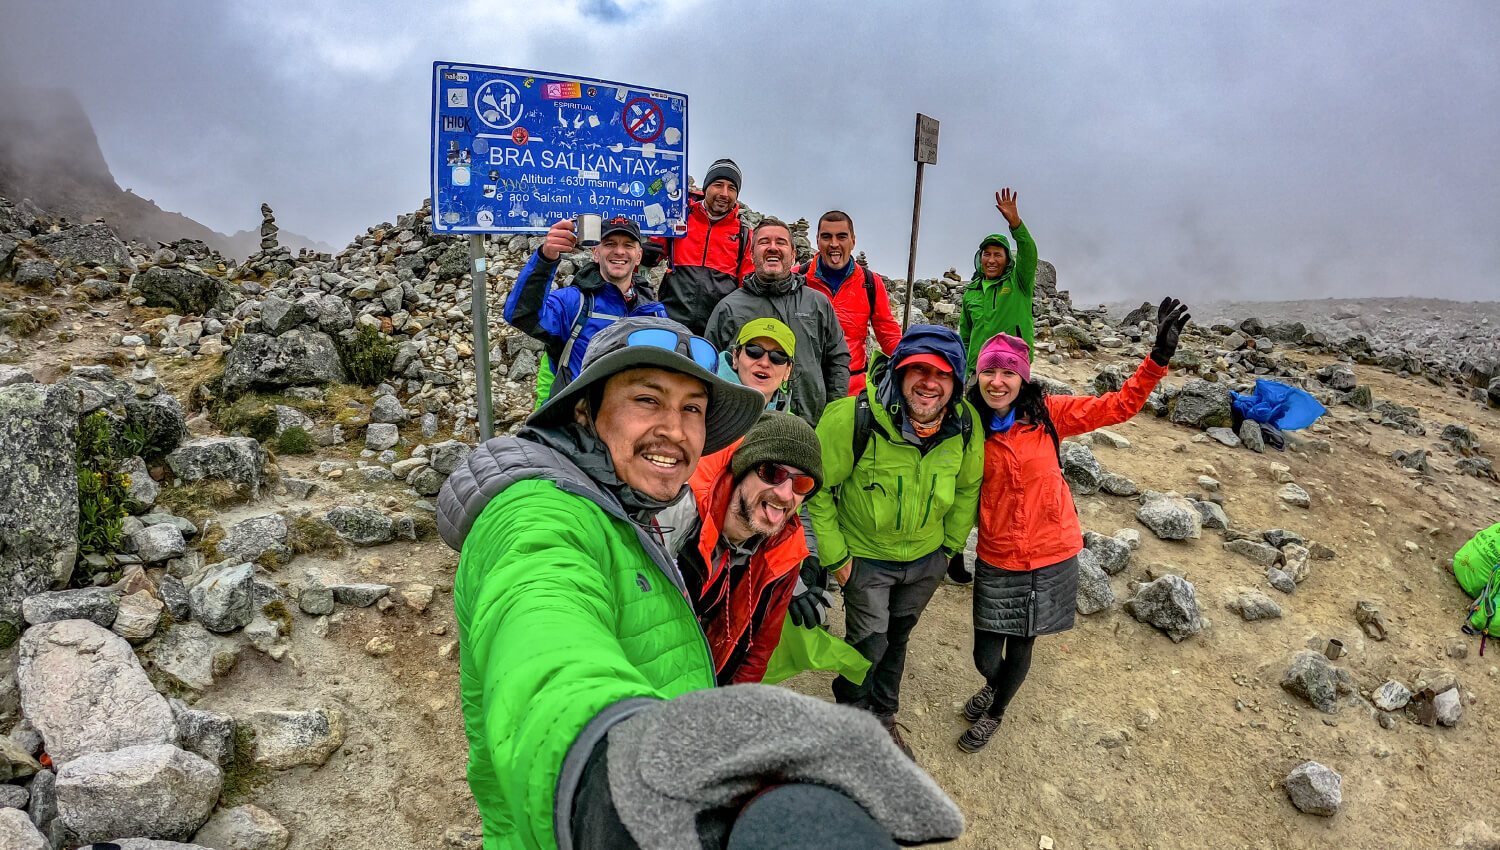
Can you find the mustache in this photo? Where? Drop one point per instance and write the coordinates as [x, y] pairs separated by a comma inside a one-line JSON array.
[[657, 447]]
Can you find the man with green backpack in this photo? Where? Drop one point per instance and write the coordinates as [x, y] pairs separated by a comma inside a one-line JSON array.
[[902, 465]]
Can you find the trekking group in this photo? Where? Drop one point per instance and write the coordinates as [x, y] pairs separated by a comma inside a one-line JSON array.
[[705, 465]]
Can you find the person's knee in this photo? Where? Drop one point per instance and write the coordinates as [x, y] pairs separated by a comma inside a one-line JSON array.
[[901, 628]]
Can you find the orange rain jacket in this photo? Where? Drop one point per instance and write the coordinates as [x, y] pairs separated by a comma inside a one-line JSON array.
[[1026, 515]]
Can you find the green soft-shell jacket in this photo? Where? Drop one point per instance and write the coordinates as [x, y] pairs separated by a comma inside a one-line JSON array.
[[897, 504], [566, 611], [999, 306]]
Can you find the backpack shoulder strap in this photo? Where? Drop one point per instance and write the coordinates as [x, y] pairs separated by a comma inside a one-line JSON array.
[[864, 423], [585, 307], [739, 257], [870, 280]]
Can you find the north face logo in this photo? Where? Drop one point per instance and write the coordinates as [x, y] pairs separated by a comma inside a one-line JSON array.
[[642, 583]]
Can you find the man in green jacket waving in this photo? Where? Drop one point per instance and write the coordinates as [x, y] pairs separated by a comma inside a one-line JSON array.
[[587, 683], [902, 465], [998, 299]]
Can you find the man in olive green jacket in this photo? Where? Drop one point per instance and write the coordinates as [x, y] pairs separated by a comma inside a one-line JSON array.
[[579, 646], [902, 470]]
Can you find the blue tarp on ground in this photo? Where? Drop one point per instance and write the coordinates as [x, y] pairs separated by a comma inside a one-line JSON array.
[[1276, 404]]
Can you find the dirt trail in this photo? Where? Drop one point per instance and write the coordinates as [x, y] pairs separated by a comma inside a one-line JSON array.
[[1119, 739]]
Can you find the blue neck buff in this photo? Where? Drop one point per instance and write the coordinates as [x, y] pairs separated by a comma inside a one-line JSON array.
[[834, 278], [1002, 424]]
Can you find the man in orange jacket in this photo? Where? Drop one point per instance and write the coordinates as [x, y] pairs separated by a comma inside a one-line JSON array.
[[741, 540], [859, 296], [709, 261]]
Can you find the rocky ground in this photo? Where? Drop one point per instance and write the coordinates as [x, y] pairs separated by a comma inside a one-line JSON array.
[[262, 654]]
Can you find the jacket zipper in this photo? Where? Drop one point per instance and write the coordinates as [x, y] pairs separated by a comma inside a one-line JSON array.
[[900, 503], [708, 237], [931, 491]]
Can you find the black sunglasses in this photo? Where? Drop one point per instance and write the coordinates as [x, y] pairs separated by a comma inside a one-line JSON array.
[[774, 474], [756, 352]]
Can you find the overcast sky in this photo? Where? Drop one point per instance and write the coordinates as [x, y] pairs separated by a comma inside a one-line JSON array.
[[1277, 150]]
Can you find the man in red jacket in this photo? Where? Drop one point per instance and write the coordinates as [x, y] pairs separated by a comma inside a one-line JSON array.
[[858, 294], [741, 540], [707, 262]]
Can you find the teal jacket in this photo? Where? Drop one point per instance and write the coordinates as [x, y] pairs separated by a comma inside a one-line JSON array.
[[897, 502], [781, 400], [1003, 305], [569, 614]]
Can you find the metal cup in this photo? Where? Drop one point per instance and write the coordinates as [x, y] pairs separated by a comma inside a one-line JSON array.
[[1334, 649], [589, 227]]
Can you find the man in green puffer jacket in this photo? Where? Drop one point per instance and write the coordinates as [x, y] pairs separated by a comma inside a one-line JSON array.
[[576, 633], [998, 299], [893, 511]]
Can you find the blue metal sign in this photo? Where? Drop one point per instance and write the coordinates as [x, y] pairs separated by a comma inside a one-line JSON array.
[[515, 151]]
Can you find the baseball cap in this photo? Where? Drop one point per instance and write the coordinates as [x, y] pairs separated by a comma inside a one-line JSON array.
[[620, 224], [772, 329]]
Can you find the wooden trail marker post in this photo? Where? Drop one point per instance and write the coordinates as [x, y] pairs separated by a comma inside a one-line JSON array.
[[925, 153]]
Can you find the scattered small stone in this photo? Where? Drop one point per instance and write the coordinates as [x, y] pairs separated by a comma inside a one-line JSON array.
[[380, 646], [1130, 537], [1280, 537], [140, 613], [1280, 580], [207, 734], [96, 604], [1262, 554], [1094, 593], [361, 526], [1369, 618], [224, 600], [1294, 496], [1253, 605], [1211, 514], [1281, 473], [316, 600], [359, 595], [1315, 789], [1118, 485], [1113, 556], [417, 596], [157, 790], [1311, 677], [1169, 603], [1225, 436], [1170, 516], [158, 543], [1391, 696], [1449, 707], [286, 739], [380, 436], [1251, 436], [244, 827]]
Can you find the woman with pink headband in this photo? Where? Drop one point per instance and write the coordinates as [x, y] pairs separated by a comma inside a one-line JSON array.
[[1026, 575]]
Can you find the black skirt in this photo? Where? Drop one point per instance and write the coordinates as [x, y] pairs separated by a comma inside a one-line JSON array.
[[1025, 603]]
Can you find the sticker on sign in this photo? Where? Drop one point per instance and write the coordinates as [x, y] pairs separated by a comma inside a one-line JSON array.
[[556, 146]]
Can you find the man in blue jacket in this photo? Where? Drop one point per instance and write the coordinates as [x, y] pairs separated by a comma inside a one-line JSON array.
[[604, 291]]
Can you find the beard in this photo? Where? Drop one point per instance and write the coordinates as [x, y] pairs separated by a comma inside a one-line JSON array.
[[751, 516]]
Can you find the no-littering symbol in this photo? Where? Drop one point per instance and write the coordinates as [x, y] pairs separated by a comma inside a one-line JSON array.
[[643, 119]]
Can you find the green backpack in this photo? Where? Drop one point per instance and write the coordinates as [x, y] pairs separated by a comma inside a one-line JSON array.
[[1477, 568]]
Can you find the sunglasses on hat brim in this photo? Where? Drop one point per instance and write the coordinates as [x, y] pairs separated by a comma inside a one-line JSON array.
[[700, 350]]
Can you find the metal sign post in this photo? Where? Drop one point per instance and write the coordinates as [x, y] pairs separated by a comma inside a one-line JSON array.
[[479, 313], [925, 153]]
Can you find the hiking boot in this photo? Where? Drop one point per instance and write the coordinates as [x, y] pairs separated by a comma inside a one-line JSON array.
[[894, 728], [979, 734], [979, 703]]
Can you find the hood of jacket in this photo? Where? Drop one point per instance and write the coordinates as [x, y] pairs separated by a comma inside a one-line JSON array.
[[921, 339], [1010, 255], [756, 285], [502, 461]]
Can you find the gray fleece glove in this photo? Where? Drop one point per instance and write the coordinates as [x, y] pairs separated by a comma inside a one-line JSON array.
[[714, 748]]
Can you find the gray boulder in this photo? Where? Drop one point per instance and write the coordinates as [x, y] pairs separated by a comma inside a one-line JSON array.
[[291, 417], [96, 604], [286, 739], [1118, 485], [237, 459], [10, 375], [155, 791], [1113, 555], [174, 595], [359, 595], [315, 600], [388, 410], [299, 357], [1079, 468], [1251, 436], [360, 526], [1201, 404], [181, 290], [38, 496], [140, 614], [86, 245], [1227, 436], [1280, 537], [207, 734], [1211, 515], [1170, 603], [190, 656], [1170, 517], [142, 491], [1262, 554], [242, 828], [1280, 580], [445, 457], [157, 543], [18, 833], [162, 420], [224, 600], [1094, 592], [1391, 696], [1295, 560], [1253, 605], [35, 274], [248, 540], [1312, 678], [1315, 789], [84, 690], [1294, 496], [278, 315], [379, 437], [426, 481], [16, 762]]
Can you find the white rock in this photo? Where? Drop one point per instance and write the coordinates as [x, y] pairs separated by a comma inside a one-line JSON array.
[[158, 791]]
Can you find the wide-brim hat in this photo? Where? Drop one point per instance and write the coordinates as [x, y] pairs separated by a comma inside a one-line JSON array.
[[733, 409]]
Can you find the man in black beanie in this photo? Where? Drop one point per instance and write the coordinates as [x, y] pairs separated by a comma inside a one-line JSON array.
[[739, 540], [712, 257]]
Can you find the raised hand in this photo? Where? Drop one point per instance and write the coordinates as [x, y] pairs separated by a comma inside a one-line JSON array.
[[1005, 202], [1171, 317], [562, 238]]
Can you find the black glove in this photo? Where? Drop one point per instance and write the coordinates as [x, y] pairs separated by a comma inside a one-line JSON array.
[[651, 254], [1171, 316], [958, 569], [810, 601]]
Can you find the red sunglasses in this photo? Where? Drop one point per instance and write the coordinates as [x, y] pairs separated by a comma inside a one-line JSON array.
[[775, 474]]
